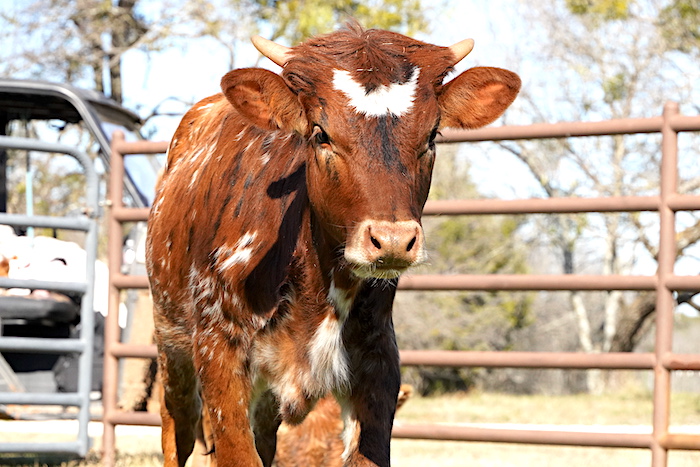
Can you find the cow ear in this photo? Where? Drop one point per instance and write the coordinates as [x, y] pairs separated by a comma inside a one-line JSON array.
[[477, 97], [264, 99]]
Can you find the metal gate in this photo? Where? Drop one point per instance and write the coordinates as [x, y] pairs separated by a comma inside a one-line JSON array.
[[662, 361], [82, 345]]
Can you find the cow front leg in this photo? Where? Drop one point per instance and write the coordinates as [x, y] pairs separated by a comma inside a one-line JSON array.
[[226, 390], [180, 402], [369, 408], [266, 421]]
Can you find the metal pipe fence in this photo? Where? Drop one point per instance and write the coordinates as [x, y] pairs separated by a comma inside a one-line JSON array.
[[84, 343], [664, 282]]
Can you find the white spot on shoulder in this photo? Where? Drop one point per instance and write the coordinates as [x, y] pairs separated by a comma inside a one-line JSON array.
[[193, 180], [197, 154], [156, 207], [396, 99], [239, 254]]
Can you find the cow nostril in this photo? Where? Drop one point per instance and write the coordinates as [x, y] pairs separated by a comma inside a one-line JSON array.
[[376, 243], [410, 245]]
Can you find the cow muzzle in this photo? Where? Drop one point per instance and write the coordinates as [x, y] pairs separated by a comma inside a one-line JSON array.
[[383, 250]]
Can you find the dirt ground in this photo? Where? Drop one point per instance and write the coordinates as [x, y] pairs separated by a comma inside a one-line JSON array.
[[140, 446]]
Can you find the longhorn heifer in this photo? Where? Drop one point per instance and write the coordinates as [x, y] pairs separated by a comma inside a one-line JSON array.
[[287, 210]]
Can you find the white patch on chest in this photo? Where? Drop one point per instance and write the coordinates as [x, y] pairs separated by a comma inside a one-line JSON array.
[[327, 357], [393, 99]]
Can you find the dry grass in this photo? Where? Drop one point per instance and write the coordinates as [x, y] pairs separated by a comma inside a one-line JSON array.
[[632, 407], [625, 408]]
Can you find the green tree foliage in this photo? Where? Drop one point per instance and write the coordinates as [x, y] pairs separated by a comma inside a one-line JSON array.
[[678, 20], [296, 20], [680, 23], [604, 9]]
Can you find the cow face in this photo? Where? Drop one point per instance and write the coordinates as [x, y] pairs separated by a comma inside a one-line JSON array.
[[370, 104]]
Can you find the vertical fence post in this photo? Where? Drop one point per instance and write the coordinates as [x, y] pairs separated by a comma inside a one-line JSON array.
[[664, 296], [114, 253]]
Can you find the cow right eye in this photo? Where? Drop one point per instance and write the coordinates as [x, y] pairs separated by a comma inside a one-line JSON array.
[[320, 136]]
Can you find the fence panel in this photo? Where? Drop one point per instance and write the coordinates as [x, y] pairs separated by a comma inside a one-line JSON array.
[[662, 361]]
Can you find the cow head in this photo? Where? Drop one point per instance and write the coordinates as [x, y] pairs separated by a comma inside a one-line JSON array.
[[370, 104]]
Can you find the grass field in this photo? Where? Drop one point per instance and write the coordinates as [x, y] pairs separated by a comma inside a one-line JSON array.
[[141, 448]]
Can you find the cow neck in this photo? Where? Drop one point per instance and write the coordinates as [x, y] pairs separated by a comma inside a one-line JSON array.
[[341, 285]]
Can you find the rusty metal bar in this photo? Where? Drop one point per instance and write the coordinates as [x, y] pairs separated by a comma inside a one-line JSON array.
[[550, 282], [554, 130], [681, 441], [133, 418], [453, 358], [542, 205], [121, 214], [495, 359], [120, 350], [502, 282], [682, 283], [530, 282], [112, 331], [623, 126], [678, 122], [557, 205], [124, 281], [529, 436], [678, 202], [664, 296], [124, 148], [676, 361]]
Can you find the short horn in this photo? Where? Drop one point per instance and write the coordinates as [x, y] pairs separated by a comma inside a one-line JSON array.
[[461, 49], [275, 52]]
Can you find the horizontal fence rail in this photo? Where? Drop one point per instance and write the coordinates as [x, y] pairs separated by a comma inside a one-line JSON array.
[[662, 361]]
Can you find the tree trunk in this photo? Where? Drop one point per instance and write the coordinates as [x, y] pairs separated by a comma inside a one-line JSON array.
[[634, 321], [115, 80], [127, 30]]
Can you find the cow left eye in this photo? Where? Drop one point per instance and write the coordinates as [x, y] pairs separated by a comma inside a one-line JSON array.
[[320, 136]]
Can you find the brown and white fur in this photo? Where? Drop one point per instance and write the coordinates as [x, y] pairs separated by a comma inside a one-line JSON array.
[[288, 208]]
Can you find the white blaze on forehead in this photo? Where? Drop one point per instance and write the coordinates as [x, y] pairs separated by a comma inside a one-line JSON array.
[[394, 99]]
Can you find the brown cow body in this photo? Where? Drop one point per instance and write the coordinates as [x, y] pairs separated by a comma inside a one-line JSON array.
[[288, 207]]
